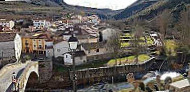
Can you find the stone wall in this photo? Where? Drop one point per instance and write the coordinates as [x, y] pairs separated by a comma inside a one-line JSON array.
[[115, 70], [45, 70], [7, 49]]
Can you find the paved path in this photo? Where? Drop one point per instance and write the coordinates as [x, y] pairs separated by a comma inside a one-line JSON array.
[[6, 78]]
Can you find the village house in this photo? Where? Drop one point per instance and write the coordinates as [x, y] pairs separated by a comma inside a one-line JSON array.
[[37, 43], [76, 19], [83, 35], [67, 33], [107, 33], [41, 23], [27, 44], [95, 51], [49, 48], [7, 23], [89, 30], [94, 19], [60, 47], [79, 56], [87, 39], [10, 45]]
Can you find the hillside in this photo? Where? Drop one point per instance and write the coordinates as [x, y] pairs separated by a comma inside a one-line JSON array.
[[175, 6], [48, 8], [134, 8]]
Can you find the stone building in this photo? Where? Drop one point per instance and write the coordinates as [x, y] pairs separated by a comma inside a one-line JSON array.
[[79, 56], [96, 51], [10, 45]]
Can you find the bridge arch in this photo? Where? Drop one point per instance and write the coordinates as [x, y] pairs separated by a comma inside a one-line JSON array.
[[32, 79], [30, 73]]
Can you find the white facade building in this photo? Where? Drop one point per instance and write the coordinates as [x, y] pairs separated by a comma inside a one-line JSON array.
[[107, 33], [80, 58], [10, 24], [10, 45], [60, 48], [49, 49], [41, 23]]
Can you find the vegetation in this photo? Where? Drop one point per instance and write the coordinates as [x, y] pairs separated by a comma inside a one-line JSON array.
[[171, 47], [130, 59], [114, 45], [135, 8]]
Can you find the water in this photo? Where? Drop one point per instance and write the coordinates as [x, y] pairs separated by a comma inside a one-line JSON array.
[[120, 86], [170, 74], [107, 87]]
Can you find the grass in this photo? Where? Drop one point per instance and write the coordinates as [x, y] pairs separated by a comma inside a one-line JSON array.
[[111, 62], [130, 59], [127, 35], [125, 44], [170, 46], [90, 65], [149, 41]]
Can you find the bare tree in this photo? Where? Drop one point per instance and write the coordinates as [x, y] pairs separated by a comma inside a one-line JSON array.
[[136, 41], [184, 31], [114, 45], [163, 22]]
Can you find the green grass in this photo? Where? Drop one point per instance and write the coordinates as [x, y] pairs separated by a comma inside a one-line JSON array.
[[91, 65], [143, 57], [170, 46], [130, 59], [149, 41], [111, 62], [127, 35], [125, 44], [61, 69]]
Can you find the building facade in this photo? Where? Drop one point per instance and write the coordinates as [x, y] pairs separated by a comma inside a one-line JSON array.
[[79, 56], [60, 47], [10, 45], [36, 43]]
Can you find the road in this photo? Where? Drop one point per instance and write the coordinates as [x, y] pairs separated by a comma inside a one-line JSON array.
[[6, 78]]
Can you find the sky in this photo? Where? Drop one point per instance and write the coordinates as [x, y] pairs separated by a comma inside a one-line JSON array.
[[111, 4]]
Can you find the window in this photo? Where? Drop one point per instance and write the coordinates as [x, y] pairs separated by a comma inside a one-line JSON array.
[[40, 46], [66, 56], [97, 50], [34, 45]]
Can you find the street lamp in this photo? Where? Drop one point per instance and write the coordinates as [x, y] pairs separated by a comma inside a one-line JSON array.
[[73, 42]]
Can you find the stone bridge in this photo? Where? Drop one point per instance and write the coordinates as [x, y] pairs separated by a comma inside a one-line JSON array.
[[25, 74]]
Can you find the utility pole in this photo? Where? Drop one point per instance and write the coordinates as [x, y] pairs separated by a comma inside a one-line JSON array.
[[74, 72]]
